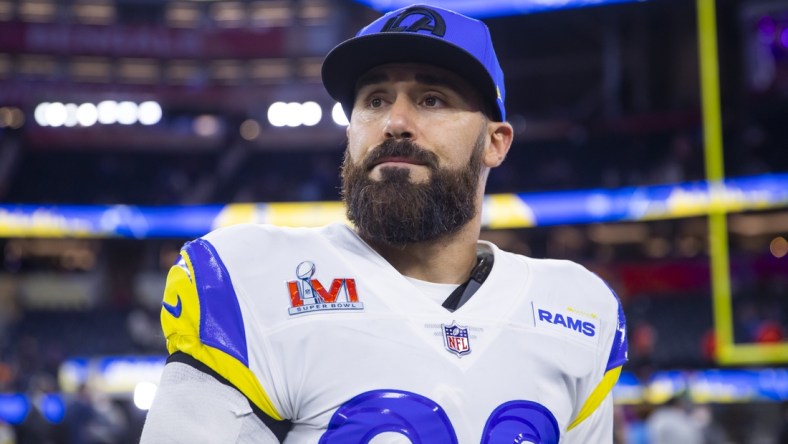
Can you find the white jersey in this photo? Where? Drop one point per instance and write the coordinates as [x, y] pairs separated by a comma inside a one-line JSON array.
[[313, 326]]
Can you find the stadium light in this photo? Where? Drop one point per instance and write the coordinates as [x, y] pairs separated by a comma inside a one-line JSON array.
[[778, 247], [250, 129], [277, 114], [39, 115], [87, 114], [311, 113], [338, 114], [55, 114], [127, 113], [294, 114], [11, 117], [206, 125], [149, 113], [144, 392], [107, 112], [71, 115]]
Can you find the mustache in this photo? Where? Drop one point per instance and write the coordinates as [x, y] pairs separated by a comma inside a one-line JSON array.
[[400, 148]]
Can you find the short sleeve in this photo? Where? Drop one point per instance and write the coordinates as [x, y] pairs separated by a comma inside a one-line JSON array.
[[201, 316]]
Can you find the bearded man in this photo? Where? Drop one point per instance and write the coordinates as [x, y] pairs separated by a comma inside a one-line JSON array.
[[405, 327]]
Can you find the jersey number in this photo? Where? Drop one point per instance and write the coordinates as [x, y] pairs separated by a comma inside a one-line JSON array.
[[422, 420]]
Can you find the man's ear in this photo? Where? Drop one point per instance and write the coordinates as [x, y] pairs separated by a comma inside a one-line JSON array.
[[501, 135]]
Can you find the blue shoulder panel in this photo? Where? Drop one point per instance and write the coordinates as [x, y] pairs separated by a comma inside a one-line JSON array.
[[618, 352], [221, 323]]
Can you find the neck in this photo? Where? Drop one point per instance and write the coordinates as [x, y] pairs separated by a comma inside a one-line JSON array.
[[446, 260]]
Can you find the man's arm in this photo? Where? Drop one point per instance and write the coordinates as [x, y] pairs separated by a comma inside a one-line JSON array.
[[192, 407], [208, 393]]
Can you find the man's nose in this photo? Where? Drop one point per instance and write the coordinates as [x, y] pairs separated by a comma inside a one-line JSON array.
[[400, 124]]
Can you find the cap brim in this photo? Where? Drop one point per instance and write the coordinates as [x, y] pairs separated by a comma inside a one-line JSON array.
[[348, 61]]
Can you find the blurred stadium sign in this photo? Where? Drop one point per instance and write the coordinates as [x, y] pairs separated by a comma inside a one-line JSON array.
[[705, 386], [520, 210]]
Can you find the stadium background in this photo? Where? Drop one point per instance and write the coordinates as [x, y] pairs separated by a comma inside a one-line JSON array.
[[129, 127]]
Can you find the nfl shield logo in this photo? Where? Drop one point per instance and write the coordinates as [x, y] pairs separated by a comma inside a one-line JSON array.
[[455, 338]]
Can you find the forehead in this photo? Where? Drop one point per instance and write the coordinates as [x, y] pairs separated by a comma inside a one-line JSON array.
[[418, 73]]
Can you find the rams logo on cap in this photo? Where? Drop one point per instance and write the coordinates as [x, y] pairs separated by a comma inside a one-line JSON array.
[[425, 19]]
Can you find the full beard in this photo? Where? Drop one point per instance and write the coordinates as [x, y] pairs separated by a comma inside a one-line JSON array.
[[395, 211]]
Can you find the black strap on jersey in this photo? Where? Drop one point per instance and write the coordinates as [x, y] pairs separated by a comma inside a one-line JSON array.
[[280, 429], [461, 294]]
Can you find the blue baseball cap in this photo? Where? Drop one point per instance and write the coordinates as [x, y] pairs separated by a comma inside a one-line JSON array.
[[418, 34]]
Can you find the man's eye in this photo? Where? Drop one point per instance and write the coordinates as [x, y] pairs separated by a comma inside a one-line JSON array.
[[375, 102], [432, 101]]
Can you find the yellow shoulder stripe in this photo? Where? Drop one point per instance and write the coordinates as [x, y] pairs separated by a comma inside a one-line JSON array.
[[597, 396], [183, 334]]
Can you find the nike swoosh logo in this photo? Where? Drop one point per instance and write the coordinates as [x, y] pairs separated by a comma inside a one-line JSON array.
[[174, 310]]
